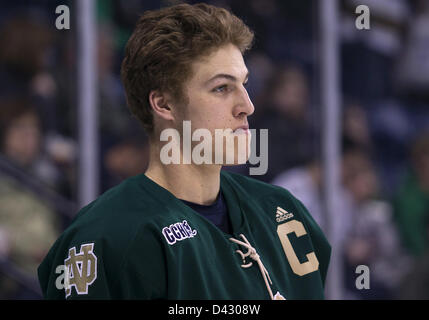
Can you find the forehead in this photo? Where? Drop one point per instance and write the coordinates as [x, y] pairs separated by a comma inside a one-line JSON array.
[[225, 60]]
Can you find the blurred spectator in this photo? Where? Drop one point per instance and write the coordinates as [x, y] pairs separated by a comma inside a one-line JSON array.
[[29, 226], [412, 200], [26, 69], [356, 130], [25, 63], [115, 120], [373, 239], [284, 29], [122, 156], [391, 131], [125, 159], [415, 285], [28, 229], [286, 115], [22, 140], [412, 73], [368, 56]]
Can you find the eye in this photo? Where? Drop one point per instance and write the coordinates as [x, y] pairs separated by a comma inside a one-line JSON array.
[[222, 88]]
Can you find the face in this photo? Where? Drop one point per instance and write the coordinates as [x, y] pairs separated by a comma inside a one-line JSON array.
[[218, 99], [22, 139], [291, 96], [359, 177]]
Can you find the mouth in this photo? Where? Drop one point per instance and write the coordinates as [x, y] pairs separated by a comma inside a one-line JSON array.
[[242, 130]]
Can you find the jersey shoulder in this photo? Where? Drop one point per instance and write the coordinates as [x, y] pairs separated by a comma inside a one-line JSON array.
[[105, 230], [280, 207], [259, 191], [276, 202], [122, 207]]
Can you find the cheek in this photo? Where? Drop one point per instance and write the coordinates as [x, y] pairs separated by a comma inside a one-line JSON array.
[[17, 139], [209, 114], [23, 142]]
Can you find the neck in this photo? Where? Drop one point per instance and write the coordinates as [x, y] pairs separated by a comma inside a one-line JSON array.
[[195, 183]]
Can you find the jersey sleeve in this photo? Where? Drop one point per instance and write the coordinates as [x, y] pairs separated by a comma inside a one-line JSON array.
[[143, 273], [99, 271], [75, 272]]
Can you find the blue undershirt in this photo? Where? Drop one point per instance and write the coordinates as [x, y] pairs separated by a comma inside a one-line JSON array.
[[217, 212]]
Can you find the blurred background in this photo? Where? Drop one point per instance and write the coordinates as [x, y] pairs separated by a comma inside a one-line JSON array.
[[381, 211]]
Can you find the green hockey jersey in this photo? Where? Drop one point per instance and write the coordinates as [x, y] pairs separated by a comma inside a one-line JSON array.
[[138, 241]]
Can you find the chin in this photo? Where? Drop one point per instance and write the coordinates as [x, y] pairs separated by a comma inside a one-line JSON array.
[[241, 154]]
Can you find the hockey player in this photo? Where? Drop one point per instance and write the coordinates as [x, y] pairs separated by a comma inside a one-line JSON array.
[[189, 230]]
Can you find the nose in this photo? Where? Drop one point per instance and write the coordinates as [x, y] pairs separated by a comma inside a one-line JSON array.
[[244, 105]]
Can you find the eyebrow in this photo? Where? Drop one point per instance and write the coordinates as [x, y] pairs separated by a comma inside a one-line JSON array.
[[226, 76]]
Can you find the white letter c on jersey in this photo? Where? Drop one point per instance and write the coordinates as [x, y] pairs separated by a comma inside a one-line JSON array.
[[300, 269]]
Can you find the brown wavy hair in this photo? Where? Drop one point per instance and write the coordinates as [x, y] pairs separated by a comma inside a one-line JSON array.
[[165, 42]]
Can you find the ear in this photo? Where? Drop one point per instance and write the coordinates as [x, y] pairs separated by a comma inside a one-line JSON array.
[[160, 103]]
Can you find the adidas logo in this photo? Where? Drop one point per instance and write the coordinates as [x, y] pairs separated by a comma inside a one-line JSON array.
[[282, 215]]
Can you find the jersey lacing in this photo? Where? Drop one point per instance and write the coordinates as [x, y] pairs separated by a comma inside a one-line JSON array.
[[255, 256]]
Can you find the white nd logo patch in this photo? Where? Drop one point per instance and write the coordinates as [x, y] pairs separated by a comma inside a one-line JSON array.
[[81, 269]]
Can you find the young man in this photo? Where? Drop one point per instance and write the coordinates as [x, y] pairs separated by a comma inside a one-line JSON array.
[[187, 230]]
